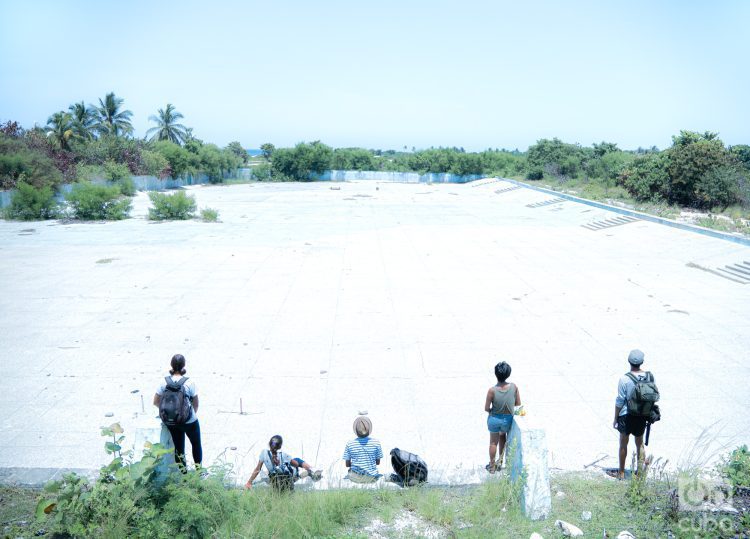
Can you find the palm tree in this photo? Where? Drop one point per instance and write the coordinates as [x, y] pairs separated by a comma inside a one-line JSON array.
[[60, 128], [166, 126], [83, 120], [109, 119]]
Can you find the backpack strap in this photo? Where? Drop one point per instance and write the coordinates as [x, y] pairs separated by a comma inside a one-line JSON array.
[[635, 380], [270, 459]]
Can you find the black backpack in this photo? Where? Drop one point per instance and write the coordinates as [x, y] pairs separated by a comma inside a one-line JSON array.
[[175, 406], [281, 477], [410, 468]]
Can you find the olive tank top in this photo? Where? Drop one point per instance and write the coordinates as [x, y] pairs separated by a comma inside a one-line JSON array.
[[503, 400]]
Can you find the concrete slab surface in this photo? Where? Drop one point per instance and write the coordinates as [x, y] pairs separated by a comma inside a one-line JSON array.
[[312, 304]]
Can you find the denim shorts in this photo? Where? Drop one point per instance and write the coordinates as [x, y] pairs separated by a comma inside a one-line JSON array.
[[499, 422]]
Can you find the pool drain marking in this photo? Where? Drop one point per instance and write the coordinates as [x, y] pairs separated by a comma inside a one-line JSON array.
[[739, 272], [485, 181], [507, 189], [609, 223], [547, 202]]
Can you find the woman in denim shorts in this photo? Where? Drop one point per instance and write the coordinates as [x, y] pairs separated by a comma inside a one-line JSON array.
[[500, 403]]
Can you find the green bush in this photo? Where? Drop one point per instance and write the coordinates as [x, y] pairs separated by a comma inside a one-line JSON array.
[[736, 467], [535, 174], [261, 172], [647, 178], [177, 206], [180, 160], [692, 159], [209, 215], [718, 187], [86, 173], [30, 203], [155, 164], [555, 157], [94, 202], [19, 162], [300, 162], [119, 175]]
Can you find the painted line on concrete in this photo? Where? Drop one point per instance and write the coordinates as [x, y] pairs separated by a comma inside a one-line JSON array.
[[632, 213]]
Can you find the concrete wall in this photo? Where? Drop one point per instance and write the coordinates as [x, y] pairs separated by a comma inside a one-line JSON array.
[[387, 176], [5, 197], [527, 445]]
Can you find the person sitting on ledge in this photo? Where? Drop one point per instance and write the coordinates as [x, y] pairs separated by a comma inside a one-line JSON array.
[[282, 468], [499, 404], [363, 454]]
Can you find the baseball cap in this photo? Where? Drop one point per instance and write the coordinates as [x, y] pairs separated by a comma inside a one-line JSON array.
[[635, 357]]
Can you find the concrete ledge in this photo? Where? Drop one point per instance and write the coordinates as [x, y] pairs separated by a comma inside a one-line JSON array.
[[643, 216], [38, 477], [527, 451]]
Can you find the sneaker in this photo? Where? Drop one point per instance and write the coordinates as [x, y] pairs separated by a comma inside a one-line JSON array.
[[317, 475], [491, 467]]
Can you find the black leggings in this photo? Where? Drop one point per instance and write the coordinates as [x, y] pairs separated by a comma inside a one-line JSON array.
[[193, 431]]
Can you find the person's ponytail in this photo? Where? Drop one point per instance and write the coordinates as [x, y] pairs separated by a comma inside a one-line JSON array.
[[178, 365]]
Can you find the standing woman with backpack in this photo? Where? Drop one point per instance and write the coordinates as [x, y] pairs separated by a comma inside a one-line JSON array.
[[177, 400]]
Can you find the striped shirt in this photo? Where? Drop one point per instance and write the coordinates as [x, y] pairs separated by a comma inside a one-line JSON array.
[[363, 452]]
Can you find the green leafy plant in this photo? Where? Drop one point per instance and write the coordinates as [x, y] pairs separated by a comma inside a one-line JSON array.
[[736, 467], [119, 175], [31, 203], [93, 202], [209, 215], [124, 500], [178, 206], [261, 172]]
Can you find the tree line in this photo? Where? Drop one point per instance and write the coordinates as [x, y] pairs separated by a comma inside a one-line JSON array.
[[85, 141], [697, 170]]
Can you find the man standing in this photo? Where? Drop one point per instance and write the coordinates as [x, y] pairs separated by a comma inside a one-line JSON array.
[[633, 421]]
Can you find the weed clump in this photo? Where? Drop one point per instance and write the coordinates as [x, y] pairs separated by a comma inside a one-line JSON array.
[[31, 203], [210, 215], [178, 206], [98, 202]]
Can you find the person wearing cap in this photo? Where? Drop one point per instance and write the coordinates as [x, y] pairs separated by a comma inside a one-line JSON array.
[[362, 455], [278, 463], [626, 424]]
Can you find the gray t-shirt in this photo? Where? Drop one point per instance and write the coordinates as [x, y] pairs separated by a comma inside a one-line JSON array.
[[625, 389], [190, 390]]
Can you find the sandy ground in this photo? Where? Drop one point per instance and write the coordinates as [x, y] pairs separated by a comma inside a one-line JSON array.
[[312, 304]]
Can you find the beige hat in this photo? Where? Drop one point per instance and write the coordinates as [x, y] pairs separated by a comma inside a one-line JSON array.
[[362, 426]]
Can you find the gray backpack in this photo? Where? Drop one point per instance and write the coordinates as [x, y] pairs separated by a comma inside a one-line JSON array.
[[644, 397]]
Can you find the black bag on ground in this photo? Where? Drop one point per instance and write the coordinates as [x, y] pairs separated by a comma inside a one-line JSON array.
[[410, 468], [175, 407]]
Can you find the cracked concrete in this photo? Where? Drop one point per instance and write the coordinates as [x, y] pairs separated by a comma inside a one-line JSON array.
[[311, 304]]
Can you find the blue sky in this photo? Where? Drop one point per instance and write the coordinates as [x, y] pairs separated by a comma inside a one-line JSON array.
[[389, 74]]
